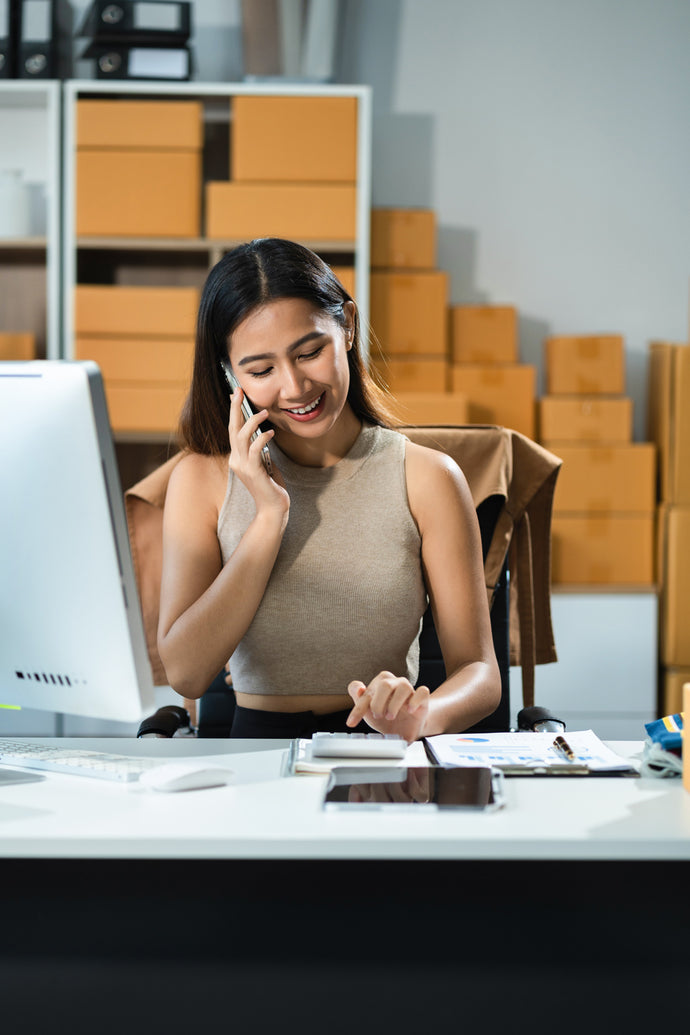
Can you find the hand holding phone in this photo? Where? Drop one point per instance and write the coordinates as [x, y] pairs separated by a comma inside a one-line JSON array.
[[247, 411]]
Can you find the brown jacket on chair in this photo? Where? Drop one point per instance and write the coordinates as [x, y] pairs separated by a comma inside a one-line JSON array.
[[499, 461], [495, 461]]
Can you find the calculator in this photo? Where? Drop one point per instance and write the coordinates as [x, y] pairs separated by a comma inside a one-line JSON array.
[[358, 745]]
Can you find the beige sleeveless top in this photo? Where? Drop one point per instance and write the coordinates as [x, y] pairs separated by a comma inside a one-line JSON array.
[[346, 595]]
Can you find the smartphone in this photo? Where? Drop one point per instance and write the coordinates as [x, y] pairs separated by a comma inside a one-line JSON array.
[[233, 385]]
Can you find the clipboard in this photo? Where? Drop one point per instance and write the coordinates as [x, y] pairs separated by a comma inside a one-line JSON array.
[[529, 754]]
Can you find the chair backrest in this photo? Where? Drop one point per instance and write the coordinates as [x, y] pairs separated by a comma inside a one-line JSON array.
[[432, 670], [500, 462]]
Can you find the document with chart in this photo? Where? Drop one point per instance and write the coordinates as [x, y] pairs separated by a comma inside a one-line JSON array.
[[525, 753]]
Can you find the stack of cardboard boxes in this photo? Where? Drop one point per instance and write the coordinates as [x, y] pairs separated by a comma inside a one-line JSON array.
[[293, 171], [138, 175], [138, 167], [409, 317], [669, 428], [603, 521], [443, 364], [485, 366], [143, 340]]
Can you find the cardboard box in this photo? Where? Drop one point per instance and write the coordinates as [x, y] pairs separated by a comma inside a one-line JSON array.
[[412, 375], [585, 418], [585, 365], [131, 360], [135, 310], [408, 313], [144, 407], [142, 338], [431, 408], [19, 345], [483, 334], [674, 576], [613, 549], [123, 123], [300, 211], [668, 416], [607, 479], [504, 395], [300, 139], [403, 238], [138, 193], [673, 681], [346, 276]]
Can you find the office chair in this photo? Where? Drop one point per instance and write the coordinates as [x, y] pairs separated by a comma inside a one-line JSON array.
[[512, 481]]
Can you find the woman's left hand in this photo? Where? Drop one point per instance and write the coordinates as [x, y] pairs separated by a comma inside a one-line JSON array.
[[390, 704]]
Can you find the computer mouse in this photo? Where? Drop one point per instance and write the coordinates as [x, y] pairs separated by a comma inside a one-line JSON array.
[[185, 776]]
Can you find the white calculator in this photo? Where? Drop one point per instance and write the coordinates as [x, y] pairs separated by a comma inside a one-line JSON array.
[[358, 745]]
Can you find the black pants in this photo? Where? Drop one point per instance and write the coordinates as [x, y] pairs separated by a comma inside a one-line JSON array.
[[251, 723]]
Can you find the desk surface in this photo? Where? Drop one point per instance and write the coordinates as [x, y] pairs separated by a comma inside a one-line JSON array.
[[268, 816]]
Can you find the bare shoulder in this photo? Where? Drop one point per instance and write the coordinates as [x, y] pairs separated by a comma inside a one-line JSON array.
[[434, 480], [199, 479], [432, 468], [195, 468]]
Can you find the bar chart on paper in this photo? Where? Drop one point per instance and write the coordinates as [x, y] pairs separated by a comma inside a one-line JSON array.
[[530, 751]]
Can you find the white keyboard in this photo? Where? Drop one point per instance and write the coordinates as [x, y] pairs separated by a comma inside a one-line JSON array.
[[51, 758]]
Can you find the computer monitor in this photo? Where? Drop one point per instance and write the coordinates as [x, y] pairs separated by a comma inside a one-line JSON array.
[[71, 631]]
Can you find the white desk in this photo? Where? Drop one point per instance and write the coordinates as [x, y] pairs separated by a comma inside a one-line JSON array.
[[196, 909], [268, 816]]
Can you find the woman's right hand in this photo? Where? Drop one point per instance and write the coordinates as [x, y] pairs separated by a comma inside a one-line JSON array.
[[245, 461]]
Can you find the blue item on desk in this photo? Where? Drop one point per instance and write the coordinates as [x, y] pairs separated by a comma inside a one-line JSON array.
[[663, 749], [667, 732]]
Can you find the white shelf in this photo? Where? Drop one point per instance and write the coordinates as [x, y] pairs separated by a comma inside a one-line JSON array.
[[195, 244], [30, 120], [23, 244], [75, 90]]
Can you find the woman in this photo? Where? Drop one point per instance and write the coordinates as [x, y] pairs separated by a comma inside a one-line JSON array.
[[313, 580]]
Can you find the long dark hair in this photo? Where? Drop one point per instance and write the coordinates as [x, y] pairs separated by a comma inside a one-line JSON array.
[[249, 276]]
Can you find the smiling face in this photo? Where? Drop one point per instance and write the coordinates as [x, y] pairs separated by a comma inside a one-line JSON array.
[[291, 359]]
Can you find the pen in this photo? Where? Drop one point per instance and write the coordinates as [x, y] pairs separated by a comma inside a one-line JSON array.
[[562, 745]]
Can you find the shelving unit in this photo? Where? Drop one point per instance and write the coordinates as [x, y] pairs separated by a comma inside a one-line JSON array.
[[30, 287], [185, 261]]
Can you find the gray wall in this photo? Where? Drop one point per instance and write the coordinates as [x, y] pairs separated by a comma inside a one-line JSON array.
[[551, 138]]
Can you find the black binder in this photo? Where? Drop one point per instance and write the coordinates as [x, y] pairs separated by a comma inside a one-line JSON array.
[[152, 22], [124, 62], [44, 40], [8, 34]]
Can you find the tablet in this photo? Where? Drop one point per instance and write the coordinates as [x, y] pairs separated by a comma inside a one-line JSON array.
[[411, 788]]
